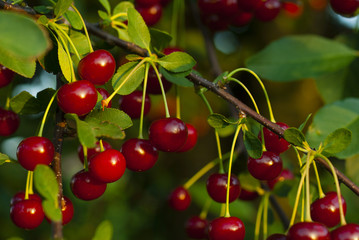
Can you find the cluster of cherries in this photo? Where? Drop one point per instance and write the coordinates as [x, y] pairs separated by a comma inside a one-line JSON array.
[[151, 10], [346, 8]]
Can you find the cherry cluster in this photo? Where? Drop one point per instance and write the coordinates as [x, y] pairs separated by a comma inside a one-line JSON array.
[[151, 10], [346, 8]]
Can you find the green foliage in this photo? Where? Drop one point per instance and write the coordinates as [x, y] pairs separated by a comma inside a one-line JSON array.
[[61, 7], [25, 103], [159, 39], [104, 231], [217, 121], [337, 141], [177, 62], [137, 29], [253, 145], [177, 78], [129, 76], [248, 182], [295, 137]]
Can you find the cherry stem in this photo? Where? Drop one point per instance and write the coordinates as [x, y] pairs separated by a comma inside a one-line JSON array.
[[84, 26], [114, 24], [230, 168], [45, 114], [122, 14], [205, 209], [140, 134], [28, 188], [178, 103], [265, 214], [310, 158], [320, 189], [8, 97], [86, 167], [162, 89], [101, 145], [259, 219]]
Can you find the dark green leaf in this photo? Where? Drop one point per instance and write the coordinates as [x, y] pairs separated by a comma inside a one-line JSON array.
[[248, 182], [159, 39], [302, 126], [104, 231], [252, 144], [177, 78], [61, 7], [337, 141], [106, 5], [297, 57], [52, 210], [43, 9], [217, 120], [74, 19], [85, 132], [45, 182], [177, 62], [294, 136], [137, 29], [128, 85], [44, 96], [50, 62], [80, 42], [220, 77], [25, 103]]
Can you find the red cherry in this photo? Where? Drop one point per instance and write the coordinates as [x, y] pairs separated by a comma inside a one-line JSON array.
[[326, 210], [248, 5], [27, 214], [9, 122], [168, 134], [151, 15], [86, 187], [277, 236], [19, 196], [179, 199], [140, 154], [241, 18], [344, 7], [273, 142], [107, 166], [196, 227], [132, 103], [104, 95], [146, 3], [246, 195], [169, 50], [217, 187], [33, 151], [308, 231], [226, 228], [215, 22], [92, 151], [268, 10], [292, 9], [191, 138], [78, 97], [67, 211], [349, 231], [268, 167], [153, 85], [97, 67], [6, 76], [286, 174], [209, 6]]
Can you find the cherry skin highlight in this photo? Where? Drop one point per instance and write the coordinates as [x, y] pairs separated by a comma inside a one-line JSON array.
[[151, 15], [179, 199], [132, 103], [196, 227], [107, 166], [97, 67], [86, 187], [217, 187], [140, 154], [226, 228], [27, 214], [308, 231], [78, 97], [349, 231], [268, 167], [33, 151], [6, 76], [9, 122], [191, 138]]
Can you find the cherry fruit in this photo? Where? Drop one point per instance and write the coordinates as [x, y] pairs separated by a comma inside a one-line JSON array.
[[196, 227], [6, 76], [104, 95], [226, 228], [248, 5], [191, 138], [277, 236], [92, 151], [19, 196], [273, 142], [168, 134], [78, 97], [179, 199], [146, 3], [308, 231], [33, 151], [67, 210], [268, 167], [151, 14], [241, 18], [9, 122], [27, 213], [349, 231], [217, 187], [153, 85], [140, 154], [132, 103], [86, 187], [97, 67], [107, 166], [247, 195], [326, 210], [286, 174], [268, 10], [344, 7]]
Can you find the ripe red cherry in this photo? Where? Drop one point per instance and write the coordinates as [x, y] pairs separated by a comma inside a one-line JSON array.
[[273, 142], [248, 5], [131, 104], [153, 85], [140, 154], [92, 151], [146, 3], [104, 95], [196, 227], [97, 67], [191, 138], [86, 187], [277, 236], [19, 196], [67, 211], [286, 174], [6, 76], [268, 167], [293, 9], [349, 231], [209, 6], [268, 10], [27, 214], [33, 151], [9, 122], [151, 15], [169, 50], [107, 166], [326, 210], [217, 187], [241, 18], [179, 199], [215, 22], [168, 134], [246, 195], [78, 97], [344, 7], [308, 231], [226, 228]]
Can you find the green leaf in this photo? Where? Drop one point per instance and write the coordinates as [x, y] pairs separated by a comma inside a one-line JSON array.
[[106, 5], [43, 9], [217, 121], [177, 78], [25, 103], [80, 41], [122, 7], [159, 39], [337, 141], [294, 136], [61, 7], [137, 29], [220, 77], [103, 15], [74, 19], [104, 231], [51, 210], [340, 114], [177, 62], [45, 182], [5, 159], [297, 57], [248, 182], [302, 126], [252, 144], [85, 132], [64, 61], [132, 82]]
